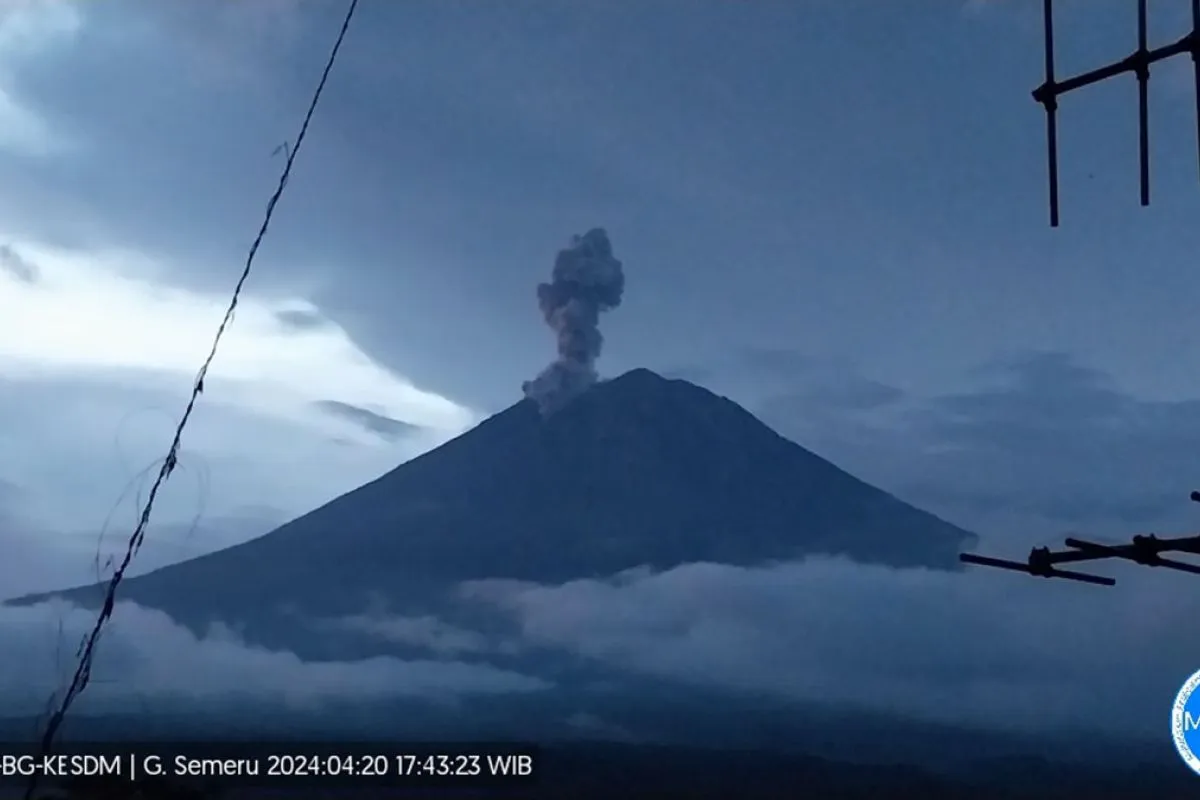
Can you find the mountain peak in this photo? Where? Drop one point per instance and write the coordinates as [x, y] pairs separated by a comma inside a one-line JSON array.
[[644, 384], [641, 377], [639, 470], [636, 385]]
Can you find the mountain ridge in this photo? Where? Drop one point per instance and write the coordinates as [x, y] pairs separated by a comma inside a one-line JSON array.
[[639, 471]]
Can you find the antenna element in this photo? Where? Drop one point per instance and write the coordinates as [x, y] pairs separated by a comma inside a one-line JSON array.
[[1146, 550], [1138, 63]]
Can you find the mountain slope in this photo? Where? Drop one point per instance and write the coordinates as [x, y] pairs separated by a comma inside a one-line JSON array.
[[639, 471]]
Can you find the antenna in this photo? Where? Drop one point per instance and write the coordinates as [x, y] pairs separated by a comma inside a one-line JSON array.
[[1145, 550], [1138, 63]]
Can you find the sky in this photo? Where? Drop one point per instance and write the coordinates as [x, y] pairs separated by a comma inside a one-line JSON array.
[[832, 212]]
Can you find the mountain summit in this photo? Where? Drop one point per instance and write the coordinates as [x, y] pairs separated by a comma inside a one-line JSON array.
[[639, 470]]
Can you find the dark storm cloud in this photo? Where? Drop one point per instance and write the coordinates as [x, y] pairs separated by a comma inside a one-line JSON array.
[[18, 266], [379, 424], [989, 649]]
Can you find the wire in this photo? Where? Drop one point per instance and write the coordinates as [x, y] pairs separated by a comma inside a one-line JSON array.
[[84, 668]]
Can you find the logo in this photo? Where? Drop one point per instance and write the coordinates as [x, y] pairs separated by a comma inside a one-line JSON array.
[[1185, 722]]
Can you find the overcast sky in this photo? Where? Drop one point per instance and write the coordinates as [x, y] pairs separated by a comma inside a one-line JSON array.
[[833, 212]]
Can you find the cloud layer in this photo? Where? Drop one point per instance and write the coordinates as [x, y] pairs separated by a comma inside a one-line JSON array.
[[1032, 444], [999, 651], [36, 559], [145, 659], [99, 349], [90, 313], [28, 29]]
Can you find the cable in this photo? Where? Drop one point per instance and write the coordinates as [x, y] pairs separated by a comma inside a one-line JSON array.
[[83, 670]]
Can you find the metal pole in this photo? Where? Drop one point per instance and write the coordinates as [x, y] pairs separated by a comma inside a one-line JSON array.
[[1143, 78], [1196, 67], [1050, 101]]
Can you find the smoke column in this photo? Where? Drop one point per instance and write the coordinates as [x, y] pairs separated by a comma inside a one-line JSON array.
[[586, 280]]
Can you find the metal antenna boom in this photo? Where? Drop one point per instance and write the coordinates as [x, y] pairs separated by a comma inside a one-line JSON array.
[[1146, 550]]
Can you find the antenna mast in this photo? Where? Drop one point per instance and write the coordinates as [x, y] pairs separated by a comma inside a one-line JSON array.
[[1146, 550], [1139, 64]]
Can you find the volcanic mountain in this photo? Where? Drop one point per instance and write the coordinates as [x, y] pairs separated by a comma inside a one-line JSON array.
[[640, 470]]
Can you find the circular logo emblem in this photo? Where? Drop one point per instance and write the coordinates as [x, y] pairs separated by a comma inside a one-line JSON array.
[[1185, 722]]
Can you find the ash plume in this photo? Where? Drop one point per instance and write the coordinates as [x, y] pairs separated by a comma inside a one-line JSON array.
[[586, 280]]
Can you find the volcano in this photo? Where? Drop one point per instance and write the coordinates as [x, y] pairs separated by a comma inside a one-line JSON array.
[[638, 471]]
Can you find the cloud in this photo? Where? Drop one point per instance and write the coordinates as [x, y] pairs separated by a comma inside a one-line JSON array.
[[100, 445], [850, 394], [97, 357], [22, 130], [146, 659], [424, 632], [1063, 439], [796, 383], [101, 314], [29, 559], [35, 558], [30, 29], [990, 649], [785, 361], [386, 427], [807, 384], [226, 43], [590, 726], [300, 319], [1039, 438], [16, 266]]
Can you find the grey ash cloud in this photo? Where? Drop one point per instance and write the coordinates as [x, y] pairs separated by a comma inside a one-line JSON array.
[[381, 425], [587, 280]]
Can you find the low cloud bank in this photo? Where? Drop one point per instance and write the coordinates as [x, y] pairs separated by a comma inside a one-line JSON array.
[[145, 659], [423, 631], [998, 650], [990, 649]]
